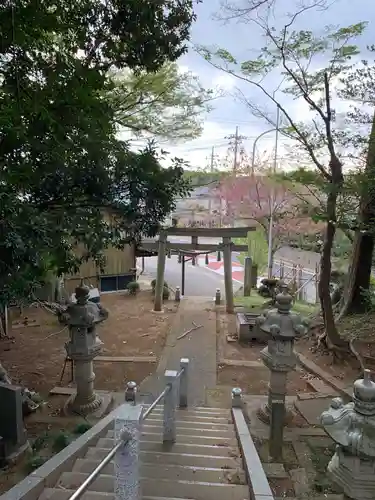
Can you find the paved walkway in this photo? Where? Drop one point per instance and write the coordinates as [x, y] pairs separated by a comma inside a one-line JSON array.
[[199, 346]]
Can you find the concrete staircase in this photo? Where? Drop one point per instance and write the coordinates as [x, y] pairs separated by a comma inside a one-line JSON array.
[[204, 464]]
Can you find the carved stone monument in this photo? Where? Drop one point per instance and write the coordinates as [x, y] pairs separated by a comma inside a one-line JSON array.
[[282, 327], [84, 345], [13, 437], [352, 427]]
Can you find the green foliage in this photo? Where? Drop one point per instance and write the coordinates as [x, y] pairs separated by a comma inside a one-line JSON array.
[[34, 462], [40, 442], [168, 104], [62, 165], [198, 178], [258, 247], [82, 428], [166, 292], [133, 287], [60, 441]]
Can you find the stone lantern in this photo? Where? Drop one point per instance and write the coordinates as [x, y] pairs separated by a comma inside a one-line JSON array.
[[83, 346], [282, 327], [352, 427]]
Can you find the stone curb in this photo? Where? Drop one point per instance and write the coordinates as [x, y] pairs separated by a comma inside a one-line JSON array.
[[310, 366], [256, 477], [48, 474]]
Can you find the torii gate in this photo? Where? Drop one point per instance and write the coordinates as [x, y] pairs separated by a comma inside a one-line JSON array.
[[226, 246]]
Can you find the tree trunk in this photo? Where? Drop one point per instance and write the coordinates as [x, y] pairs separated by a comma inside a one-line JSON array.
[[332, 337], [358, 282]]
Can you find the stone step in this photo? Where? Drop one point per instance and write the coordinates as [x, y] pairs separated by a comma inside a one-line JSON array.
[[199, 459], [191, 416], [228, 433], [196, 490], [180, 439], [201, 410], [185, 473], [206, 424], [59, 494], [190, 448]]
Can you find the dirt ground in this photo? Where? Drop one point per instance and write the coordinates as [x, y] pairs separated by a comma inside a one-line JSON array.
[[252, 380], [34, 356]]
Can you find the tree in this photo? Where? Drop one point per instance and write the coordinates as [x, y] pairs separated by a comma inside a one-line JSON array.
[[61, 164], [257, 196], [359, 86], [169, 103], [290, 53]]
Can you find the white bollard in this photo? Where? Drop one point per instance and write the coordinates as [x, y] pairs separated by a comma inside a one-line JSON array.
[[217, 297], [177, 295]]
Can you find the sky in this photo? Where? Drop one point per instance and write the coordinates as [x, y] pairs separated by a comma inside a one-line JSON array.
[[243, 41]]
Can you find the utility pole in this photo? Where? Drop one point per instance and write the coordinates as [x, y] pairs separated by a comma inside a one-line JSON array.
[[272, 204], [235, 152], [235, 143], [211, 170]]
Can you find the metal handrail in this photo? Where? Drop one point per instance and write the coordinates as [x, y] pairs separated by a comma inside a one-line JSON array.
[[161, 396], [82, 489], [125, 438]]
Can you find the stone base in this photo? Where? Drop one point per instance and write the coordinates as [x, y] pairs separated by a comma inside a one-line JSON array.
[[354, 476], [96, 408], [247, 329], [14, 453], [264, 414]]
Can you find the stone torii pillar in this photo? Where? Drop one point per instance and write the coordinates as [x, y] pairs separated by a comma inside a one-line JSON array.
[[227, 254], [159, 286], [83, 346], [352, 427]]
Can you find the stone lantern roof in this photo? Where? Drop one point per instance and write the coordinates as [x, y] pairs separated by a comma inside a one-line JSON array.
[[281, 322]]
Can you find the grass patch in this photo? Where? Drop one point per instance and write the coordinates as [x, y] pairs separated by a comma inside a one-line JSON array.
[[320, 457], [255, 301]]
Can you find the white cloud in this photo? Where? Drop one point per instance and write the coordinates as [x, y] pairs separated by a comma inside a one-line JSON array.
[[224, 81]]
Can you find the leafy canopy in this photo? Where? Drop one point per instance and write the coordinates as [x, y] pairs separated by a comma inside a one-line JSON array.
[[61, 164]]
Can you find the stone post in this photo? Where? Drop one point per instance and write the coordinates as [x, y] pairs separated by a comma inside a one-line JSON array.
[[247, 280], [227, 254], [237, 398], [282, 326], [170, 403], [184, 382], [217, 297], [127, 458], [158, 302], [352, 427], [177, 295], [84, 345], [131, 392]]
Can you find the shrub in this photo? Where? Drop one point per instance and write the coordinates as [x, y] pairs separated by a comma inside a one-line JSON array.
[[166, 292], [60, 442], [153, 285], [82, 428], [133, 287], [34, 462]]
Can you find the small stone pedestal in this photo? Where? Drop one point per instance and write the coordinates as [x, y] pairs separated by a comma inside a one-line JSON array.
[[281, 326], [84, 345], [352, 427]]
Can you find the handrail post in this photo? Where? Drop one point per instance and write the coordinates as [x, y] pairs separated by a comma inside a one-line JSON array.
[[127, 460], [170, 403], [184, 384]]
